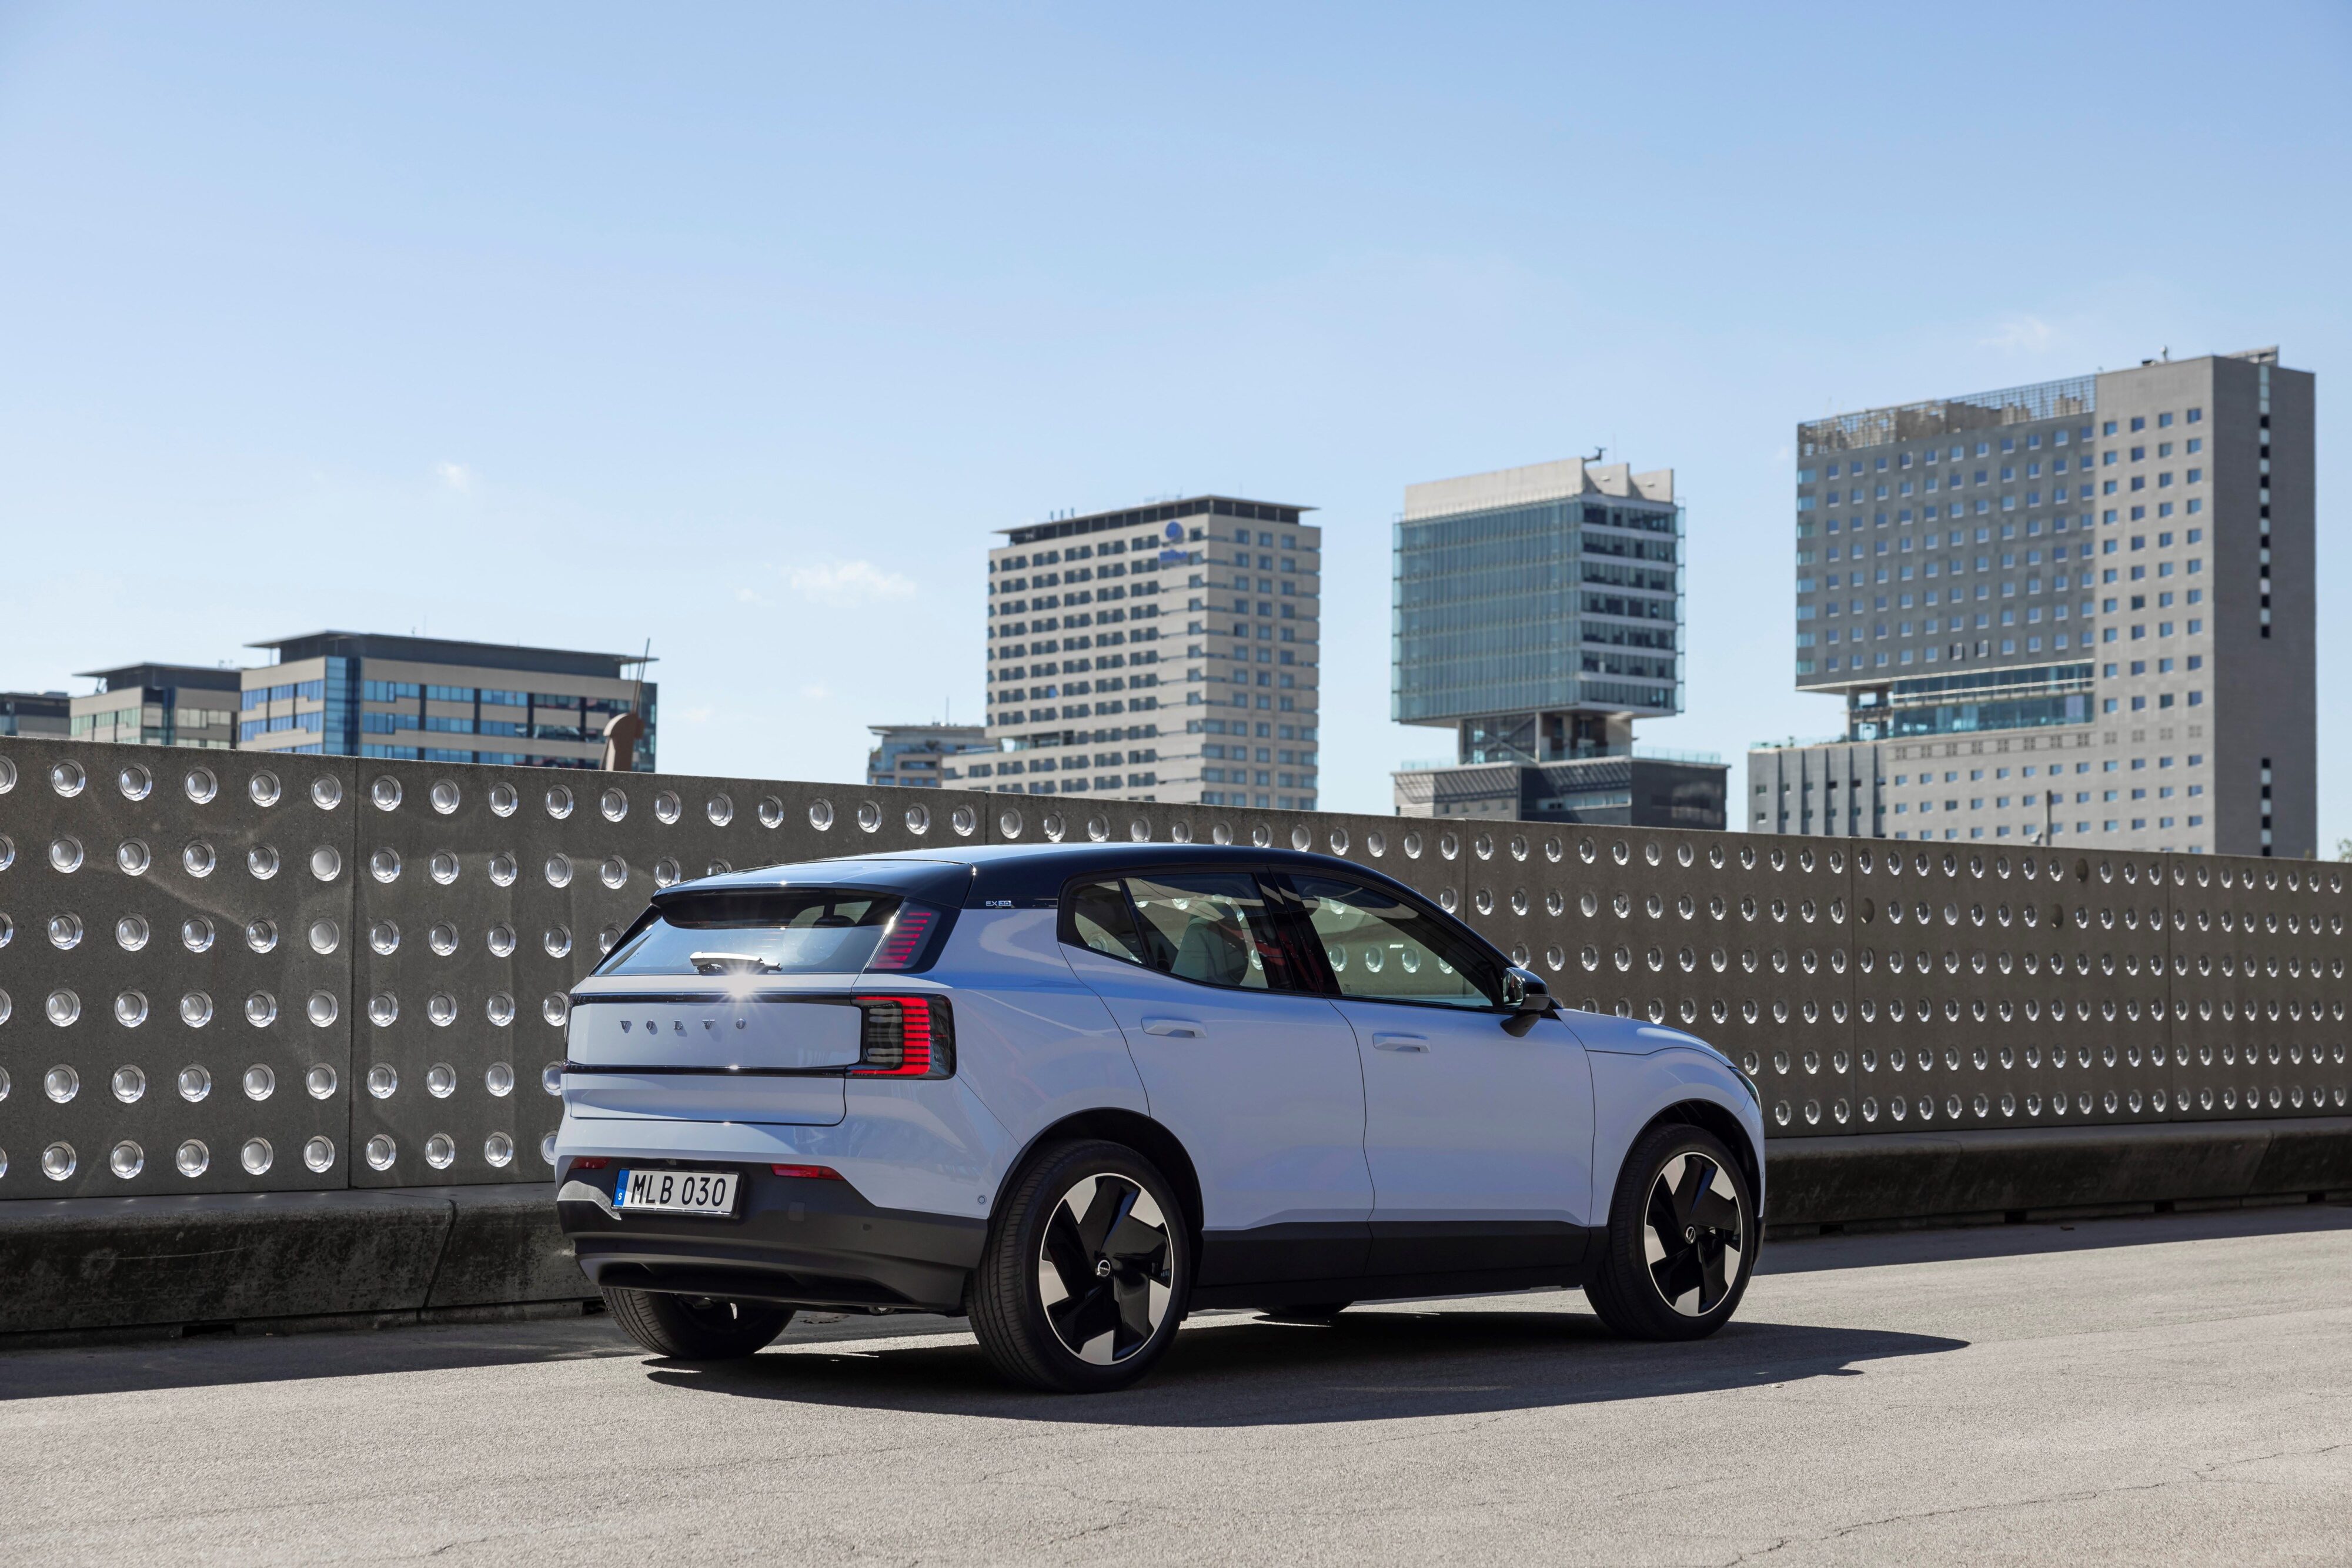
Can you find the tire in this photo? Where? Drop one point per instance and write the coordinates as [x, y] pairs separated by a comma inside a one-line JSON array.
[[1315, 1313], [1086, 1272], [1683, 1238], [695, 1328]]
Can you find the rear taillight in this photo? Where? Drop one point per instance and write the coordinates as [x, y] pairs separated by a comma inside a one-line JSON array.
[[907, 1036], [902, 943]]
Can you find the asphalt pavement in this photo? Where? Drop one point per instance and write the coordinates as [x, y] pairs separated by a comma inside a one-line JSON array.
[[2167, 1388]]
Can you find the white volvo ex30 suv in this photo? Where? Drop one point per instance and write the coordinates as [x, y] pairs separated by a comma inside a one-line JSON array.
[[1074, 1091]]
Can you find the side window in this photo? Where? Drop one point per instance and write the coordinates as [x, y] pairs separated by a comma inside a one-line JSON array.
[[1383, 949], [1099, 916], [1214, 927]]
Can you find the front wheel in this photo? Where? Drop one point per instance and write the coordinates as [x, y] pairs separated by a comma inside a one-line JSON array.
[[1683, 1235], [1084, 1277], [695, 1328]]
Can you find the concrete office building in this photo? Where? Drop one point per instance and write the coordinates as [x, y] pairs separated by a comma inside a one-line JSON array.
[[1164, 652], [36, 713], [2079, 612], [159, 704], [1537, 615], [919, 755], [358, 694]]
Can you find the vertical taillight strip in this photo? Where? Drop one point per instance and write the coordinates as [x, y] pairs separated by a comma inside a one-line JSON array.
[[902, 943]]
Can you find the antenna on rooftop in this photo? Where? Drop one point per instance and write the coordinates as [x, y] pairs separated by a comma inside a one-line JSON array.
[[1598, 454]]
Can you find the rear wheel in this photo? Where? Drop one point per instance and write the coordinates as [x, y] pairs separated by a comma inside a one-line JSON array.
[[1682, 1240], [1084, 1279], [695, 1328]]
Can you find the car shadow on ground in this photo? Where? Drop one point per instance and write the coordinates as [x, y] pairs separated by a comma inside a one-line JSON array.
[[1369, 1365]]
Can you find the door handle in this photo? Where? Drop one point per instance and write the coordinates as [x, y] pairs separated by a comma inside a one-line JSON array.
[[1182, 1029], [1400, 1042]]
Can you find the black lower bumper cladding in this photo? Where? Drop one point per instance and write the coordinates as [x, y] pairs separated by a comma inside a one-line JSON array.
[[801, 1240]]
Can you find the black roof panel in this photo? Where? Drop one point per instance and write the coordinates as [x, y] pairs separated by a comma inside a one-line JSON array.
[[1016, 876]]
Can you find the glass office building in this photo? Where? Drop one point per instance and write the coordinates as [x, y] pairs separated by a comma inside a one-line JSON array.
[[1537, 613], [36, 713], [356, 693], [159, 704]]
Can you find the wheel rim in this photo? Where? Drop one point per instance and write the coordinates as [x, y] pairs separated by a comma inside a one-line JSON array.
[[1693, 1235], [1104, 1268]]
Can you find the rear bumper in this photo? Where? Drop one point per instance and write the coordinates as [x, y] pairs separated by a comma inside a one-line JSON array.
[[805, 1242]]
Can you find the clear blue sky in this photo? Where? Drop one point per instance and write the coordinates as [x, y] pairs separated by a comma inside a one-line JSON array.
[[740, 329]]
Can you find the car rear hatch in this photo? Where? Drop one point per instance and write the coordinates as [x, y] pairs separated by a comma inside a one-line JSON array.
[[754, 1006]]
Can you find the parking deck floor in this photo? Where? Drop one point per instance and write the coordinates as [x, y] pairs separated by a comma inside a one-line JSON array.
[[2124, 1390]]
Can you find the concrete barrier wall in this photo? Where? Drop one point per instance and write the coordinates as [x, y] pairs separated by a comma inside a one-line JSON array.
[[232, 972]]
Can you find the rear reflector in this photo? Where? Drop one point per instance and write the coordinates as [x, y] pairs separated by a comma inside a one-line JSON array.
[[589, 1163], [902, 943], [808, 1173]]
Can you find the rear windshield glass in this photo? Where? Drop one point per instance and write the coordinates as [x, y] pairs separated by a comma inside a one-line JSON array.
[[781, 931]]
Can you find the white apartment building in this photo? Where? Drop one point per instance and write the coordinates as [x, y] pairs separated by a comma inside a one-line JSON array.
[[1166, 651]]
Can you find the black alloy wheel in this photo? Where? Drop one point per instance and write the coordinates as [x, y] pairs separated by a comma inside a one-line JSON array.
[[1693, 1235], [1084, 1277], [1682, 1241], [1103, 1268]]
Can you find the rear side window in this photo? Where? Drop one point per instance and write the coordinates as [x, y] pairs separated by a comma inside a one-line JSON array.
[[1214, 928], [1100, 912], [778, 931]]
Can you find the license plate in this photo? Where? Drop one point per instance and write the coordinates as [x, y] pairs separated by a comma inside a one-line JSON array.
[[676, 1192]]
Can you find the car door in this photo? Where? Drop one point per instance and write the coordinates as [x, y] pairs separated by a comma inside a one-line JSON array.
[[1254, 1073], [1478, 1120]]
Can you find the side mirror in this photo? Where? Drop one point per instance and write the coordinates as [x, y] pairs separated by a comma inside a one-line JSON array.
[[1525, 992]]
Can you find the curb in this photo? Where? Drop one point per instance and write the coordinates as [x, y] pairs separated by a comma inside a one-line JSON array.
[[1887, 1176], [129, 1262]]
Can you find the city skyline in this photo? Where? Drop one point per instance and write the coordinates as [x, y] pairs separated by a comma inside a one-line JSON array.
[[751, 374]]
